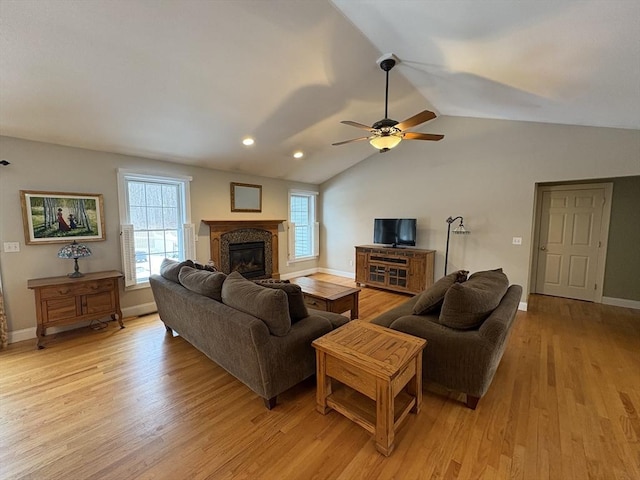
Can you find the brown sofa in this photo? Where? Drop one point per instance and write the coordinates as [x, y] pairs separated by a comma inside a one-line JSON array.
[[245, 328], [466, 325]]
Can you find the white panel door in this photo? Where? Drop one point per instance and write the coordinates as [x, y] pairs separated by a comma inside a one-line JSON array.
[[570, 225]]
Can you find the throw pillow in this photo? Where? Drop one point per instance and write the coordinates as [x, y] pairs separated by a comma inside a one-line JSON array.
[[297, 308], [269, 305], [466, 305], [170, 269], [202, 282], [431, 299]]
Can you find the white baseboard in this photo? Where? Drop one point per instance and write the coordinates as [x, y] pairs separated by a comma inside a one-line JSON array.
[[621, 302], [138, 310], [299, 273], [523, 306], [338, 273], [20, 335]]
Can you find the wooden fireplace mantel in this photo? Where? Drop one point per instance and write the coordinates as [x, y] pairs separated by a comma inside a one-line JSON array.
[[217, 228]]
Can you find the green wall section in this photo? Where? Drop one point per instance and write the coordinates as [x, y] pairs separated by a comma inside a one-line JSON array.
[[622, 270]]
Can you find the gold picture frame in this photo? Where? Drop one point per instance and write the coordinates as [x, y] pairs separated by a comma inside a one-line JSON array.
[[246, 197], [58, 217]]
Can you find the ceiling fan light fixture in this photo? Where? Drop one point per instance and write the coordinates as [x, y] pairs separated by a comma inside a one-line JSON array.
[[385, 142]]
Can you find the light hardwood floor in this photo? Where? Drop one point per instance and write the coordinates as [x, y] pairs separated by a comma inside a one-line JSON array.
[[138, 403]]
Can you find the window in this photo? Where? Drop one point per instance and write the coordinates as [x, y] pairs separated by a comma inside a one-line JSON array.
[[303, 228], [155, 219]]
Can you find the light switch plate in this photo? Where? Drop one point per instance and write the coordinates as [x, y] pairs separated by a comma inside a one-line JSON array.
[[11, 247]]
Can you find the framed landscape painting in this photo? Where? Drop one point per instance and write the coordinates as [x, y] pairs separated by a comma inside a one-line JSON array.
[[57, 217]]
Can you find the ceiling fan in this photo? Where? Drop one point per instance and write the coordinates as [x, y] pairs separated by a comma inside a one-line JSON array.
[[387, 133]]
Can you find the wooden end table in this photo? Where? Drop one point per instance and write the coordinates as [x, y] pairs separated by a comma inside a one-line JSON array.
[[373, 365], [329, 297]]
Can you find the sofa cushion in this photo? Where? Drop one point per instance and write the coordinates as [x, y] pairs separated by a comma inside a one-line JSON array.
[[297, 308], [466, 305], [268, 304], [170, 269], [202, 282], [431, 299]]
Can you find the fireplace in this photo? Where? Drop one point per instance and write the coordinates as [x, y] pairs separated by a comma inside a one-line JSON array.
[[224, 233], [247, 258]]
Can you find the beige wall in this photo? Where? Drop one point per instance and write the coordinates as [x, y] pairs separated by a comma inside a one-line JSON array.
[[484, 170], [47, 167], [621, 277]]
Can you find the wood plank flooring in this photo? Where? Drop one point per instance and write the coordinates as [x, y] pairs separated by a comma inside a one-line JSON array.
[[139, 403]]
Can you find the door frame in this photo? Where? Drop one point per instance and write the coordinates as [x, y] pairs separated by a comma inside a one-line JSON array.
[[604, 230]]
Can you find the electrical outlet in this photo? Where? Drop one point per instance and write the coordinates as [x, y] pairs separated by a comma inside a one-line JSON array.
[[517, 240], [11, 247]]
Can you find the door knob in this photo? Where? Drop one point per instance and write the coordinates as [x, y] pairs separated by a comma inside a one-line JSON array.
[[543, 248]]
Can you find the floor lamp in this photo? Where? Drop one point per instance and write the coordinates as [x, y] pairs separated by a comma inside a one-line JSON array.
[[459, 230]]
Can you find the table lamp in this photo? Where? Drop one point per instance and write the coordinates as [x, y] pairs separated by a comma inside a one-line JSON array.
[[75, 250]]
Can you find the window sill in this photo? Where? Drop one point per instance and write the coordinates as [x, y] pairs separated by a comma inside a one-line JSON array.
[[138, 286]]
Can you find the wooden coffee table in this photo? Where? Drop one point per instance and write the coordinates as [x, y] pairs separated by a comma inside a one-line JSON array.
[[328, 296], [372, 365]]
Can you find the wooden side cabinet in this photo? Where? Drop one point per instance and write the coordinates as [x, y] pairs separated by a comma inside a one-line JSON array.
[[407, 270], [65, 300]]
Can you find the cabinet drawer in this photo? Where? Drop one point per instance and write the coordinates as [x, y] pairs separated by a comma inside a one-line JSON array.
[[316, 303], [59, 309], [80, 289]]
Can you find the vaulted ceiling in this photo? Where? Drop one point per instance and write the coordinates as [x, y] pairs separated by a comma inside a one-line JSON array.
[[186, 81]]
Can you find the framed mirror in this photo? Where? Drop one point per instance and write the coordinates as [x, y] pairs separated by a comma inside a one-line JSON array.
[[246, 197]]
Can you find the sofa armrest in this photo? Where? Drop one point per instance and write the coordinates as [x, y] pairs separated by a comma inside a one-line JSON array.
[[287, 360], [495, 329]]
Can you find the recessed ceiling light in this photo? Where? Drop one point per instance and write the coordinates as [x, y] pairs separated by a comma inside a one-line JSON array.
[[298, 155], [248, 141]]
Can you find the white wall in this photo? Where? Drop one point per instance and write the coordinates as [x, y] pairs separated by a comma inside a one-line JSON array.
[[53, 168], [484, 170]]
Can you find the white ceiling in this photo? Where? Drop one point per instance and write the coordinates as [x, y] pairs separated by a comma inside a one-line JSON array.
[[186, 80]]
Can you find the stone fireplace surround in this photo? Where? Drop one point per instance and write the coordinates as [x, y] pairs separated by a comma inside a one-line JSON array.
[[224, 232]]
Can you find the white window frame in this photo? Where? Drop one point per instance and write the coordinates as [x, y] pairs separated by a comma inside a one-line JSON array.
[[314, 224], [187, 231]]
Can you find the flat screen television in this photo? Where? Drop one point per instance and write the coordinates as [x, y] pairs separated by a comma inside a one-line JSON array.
[[395, 231]]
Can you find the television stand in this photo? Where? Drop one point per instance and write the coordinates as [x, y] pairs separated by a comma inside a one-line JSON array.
[[406, 270]]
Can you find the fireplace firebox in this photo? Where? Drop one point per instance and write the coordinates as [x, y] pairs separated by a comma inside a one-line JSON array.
[[247, 258]]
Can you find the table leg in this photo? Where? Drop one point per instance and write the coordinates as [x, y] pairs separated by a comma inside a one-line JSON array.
[[118, 317], [414, 387], [323, 389], [354, 311], [385, 434], [39, 335]]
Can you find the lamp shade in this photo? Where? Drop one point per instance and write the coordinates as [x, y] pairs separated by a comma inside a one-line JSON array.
[[74, 250], [460, 230], [385, 141]]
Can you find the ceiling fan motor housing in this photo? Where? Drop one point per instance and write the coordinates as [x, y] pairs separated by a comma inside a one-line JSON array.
[[385, 123]]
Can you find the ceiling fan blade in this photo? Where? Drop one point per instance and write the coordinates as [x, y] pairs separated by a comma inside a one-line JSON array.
[[352, 140], [357, 125], [422, 136], [417, 119]]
